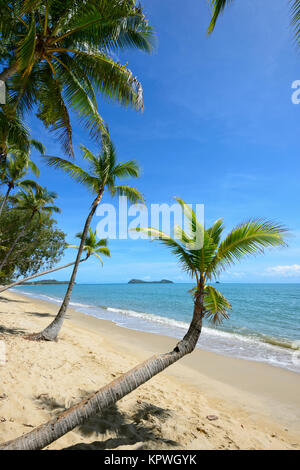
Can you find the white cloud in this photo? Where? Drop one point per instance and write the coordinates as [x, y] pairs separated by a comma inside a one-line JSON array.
[[292, 270]]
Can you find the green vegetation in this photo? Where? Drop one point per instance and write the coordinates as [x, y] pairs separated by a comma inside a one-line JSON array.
[[202, 264], [56, 58], [205, 264], [41, 246], [103, 173], [58, 54], [218, 6], [92, 247], [15, 168]]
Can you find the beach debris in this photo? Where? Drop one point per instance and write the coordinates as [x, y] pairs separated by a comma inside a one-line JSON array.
[[199, 429], [212, 417], [3, 396], [2, 420]]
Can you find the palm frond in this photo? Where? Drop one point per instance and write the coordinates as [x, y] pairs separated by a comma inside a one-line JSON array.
[[127, 169], [78, 99], [51, 209], [216, 230], [26, 49], [72, 246], [28, 184], [102, 243], [38, 146], [295, 19], [196, 229], [247, 239], [88, 155], [218, 7], [33, 167], [52, 110], [179, 251], [104, 251], [112, 80], [75, 171], [133, 194], [216, 305], [28, 5]]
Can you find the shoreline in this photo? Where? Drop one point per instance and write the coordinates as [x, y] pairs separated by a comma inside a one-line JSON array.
[[255, 396], [260, 348]]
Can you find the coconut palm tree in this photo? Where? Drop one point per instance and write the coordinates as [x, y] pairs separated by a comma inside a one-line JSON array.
[[16, 168], [218, 7], [101, 176], [203, 264], [92, 247], [35, 202], [57, 52]]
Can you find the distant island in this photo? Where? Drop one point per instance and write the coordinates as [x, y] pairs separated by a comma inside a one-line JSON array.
[[139, 281], [47, 281]]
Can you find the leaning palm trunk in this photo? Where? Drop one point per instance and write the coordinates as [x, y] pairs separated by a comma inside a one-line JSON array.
[[51, 332], [5, 199], [23, 231], [111, 393], [20, 281]]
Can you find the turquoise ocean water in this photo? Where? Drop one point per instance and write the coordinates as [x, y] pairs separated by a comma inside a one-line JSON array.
[[264, 324]]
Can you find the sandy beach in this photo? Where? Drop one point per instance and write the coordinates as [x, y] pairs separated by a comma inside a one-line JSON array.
[[257, 405]]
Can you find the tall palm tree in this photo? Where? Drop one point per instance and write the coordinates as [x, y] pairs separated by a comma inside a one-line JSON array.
[[16, 168], [101, 176], [56, 52], [218, 7], [92, 247], [35, 202], [202, 264]]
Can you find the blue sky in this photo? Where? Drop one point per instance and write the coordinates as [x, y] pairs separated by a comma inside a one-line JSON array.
[[219, 129]]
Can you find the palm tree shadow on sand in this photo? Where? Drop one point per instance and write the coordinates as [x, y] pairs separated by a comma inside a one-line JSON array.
[[11, 331], [138, 429], [5, 300]]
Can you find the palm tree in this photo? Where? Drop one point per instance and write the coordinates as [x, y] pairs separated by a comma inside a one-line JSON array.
[[92, 247], [56, 52], [35, 203], [15, 169], [218, 7], [102, 175], [202, 264]]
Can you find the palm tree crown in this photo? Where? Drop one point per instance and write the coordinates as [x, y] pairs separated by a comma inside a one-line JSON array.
[[103, 171], [17, 165], [56, 52], [92, 246], [215, 255], [36, 201], [101, 176]]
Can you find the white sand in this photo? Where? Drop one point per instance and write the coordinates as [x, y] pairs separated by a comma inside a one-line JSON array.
[[258, 406]]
